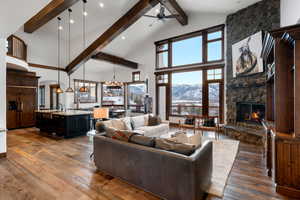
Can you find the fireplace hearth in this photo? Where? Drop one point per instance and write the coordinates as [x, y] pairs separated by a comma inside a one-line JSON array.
[[250, 112]]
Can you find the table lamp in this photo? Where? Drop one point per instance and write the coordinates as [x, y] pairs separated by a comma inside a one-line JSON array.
[[101, 113]]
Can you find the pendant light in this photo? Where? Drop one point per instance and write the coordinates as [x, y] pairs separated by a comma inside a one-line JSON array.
[[83, 89], [114, 84], [69, 89], [58, 89]]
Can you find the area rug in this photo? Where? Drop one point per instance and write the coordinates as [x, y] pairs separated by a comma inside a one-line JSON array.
[[224, 154]]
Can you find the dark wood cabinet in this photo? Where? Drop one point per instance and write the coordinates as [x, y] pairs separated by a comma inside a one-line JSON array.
[[282, 51], [21, 99]]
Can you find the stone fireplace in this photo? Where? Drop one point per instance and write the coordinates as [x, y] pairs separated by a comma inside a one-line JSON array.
[[246, 95]]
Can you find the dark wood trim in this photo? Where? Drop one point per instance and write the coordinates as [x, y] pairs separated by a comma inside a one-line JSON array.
[[175, 9], [46, 67], [205, 42], [135, 13], [188, 68], [3, 155], [133, 75], [191, 34], [115, 60], [53, 9], [287, 191]]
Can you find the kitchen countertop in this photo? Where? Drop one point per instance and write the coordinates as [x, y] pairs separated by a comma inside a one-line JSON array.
[[65, 113]]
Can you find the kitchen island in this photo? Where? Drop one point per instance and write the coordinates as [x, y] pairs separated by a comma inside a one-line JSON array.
[[65, 124]]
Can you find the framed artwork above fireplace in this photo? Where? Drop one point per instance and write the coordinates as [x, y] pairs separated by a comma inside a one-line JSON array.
[[246, 57]]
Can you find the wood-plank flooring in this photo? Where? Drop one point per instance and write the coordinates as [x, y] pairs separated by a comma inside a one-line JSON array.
[[43, 168]]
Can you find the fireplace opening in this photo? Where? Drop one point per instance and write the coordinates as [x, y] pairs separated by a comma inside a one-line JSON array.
[[250, 112]]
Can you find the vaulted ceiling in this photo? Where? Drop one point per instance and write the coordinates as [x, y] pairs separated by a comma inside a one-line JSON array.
[[99, 19]]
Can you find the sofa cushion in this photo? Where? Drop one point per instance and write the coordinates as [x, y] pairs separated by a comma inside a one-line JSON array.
[[169, 145], [118, 124], [154, 120], [107, 123], [154, 131], [122, 135], [127, 123], [109, 131], [142, 140], [138, 121]]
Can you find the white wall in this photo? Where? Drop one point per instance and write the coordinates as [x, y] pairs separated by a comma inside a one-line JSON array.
[[2, 95], [289, 12]]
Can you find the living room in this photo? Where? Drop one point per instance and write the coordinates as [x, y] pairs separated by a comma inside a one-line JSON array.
[[149, 99]]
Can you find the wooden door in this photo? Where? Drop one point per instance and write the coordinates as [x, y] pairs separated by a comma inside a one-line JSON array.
[[27, 106], [12, 114]]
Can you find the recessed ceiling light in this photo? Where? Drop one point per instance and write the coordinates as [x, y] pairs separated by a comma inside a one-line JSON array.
[[123, 37], [72, 21], [101, 5], [85, 13], [60, 28]]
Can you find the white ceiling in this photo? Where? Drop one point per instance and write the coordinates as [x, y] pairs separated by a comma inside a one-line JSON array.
[[14, 13], [100, 19]]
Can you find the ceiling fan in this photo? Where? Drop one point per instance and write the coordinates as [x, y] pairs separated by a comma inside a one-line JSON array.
[[161, 16]]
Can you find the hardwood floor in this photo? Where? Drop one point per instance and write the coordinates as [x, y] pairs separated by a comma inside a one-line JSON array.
[[38, 167]]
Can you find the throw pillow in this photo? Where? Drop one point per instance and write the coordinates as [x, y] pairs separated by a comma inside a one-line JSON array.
[[122, 135], [154, 120], [100, 127], [109, 131], [118, 124], [107, 123], [168, 145], [142, 140], [138, 121], [127, 123]]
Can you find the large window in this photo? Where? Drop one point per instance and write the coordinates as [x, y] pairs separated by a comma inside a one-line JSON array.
[[188, 51], [42, 95], [194, 92], [201, 47], [187, 93], [112, 96], [88, 97], [135, 94]]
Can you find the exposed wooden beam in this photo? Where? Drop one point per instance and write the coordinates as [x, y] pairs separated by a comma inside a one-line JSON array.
[[141, 8], [45, 67], [54, 8], [175, 9], [115, 60]]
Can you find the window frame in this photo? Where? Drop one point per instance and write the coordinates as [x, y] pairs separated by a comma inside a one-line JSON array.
[[204, 33], [42, 87], [127, 93], [205, 94], [86, 82], [134, 74], [113, 105]]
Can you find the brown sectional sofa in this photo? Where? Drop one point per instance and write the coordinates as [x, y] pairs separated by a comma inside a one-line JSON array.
[[166, 174]]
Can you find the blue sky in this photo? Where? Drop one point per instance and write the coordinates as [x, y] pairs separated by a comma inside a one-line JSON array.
[[189, 51]]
